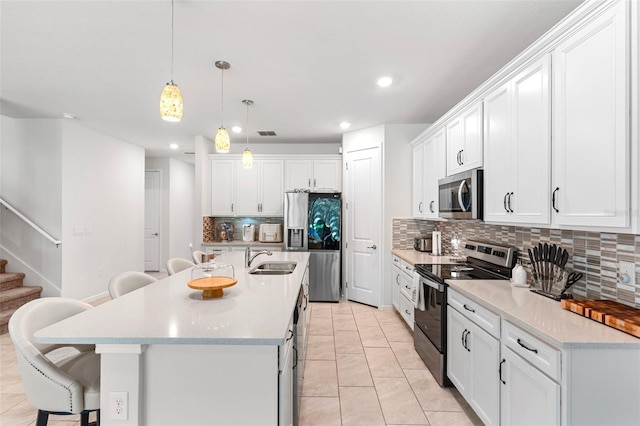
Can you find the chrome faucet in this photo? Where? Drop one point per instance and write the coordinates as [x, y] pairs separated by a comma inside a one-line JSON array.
[[248, 258]]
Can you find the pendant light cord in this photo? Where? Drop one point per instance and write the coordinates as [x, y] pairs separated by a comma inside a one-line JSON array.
[[171, 41], [248, 103], [222, 96]]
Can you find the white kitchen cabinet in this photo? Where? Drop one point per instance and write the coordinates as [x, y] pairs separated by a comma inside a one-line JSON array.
[[591, 168], [428, 168], [517, 147], [396, 272], [314, 174], [472, 357], [285, 380], [236, 191], [222, 186], [527, 397], [464, 140]]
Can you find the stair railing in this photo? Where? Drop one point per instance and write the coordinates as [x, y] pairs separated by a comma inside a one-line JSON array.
[[30, 223]]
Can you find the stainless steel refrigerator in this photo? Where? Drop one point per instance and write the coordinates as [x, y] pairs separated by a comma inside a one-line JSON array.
[[312, 222]]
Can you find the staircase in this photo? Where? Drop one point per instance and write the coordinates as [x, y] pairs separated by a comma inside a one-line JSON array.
[[13, 294]]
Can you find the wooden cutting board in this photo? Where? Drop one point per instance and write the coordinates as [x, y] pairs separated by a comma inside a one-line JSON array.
[[614, 314]]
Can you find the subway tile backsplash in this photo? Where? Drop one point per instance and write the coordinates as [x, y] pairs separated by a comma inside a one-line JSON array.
[[595, 254]]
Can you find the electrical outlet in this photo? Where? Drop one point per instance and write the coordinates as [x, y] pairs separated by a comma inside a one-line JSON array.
[[627, 276], [119, 405]]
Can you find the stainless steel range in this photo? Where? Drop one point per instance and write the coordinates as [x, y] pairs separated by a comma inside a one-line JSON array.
[[485, 261]]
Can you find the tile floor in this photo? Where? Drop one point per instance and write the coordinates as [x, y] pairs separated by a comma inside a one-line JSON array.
[[361, 369]]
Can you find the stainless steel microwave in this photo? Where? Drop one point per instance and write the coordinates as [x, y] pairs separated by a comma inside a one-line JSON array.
[[460, 196]]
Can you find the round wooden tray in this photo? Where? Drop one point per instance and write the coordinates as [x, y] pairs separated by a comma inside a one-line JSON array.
[[212, 286]]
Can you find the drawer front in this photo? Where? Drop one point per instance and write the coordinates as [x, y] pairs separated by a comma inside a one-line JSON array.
[[396, 261], [407, 310], [407, 267], [483, 317], [406, 286], [544, 357]]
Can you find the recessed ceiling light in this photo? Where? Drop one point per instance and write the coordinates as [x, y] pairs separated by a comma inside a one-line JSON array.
[[345, 125], [236, 129], [174, 146], [385, 81], [68, 115]]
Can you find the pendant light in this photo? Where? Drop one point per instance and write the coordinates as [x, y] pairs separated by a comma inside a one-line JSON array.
[[222, 142], [171, 98], [247, 156]]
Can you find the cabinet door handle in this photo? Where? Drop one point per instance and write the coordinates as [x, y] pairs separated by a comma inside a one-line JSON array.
[[534, 350], [468, 308], [408, 287], [406, 311], [309, 183], [431, 206], [420, 207], [461, 160], [466, 341], [553, 199], [500, 371], [397, 279], [314, 182], [458, 158], [290, 336], [231, 206], [295, 364], [462, 338], [509, 202], [504, 202]]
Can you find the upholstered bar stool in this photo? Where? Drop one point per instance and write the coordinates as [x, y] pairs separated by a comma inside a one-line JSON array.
[[177, 264], [57, 379], [126, 282]]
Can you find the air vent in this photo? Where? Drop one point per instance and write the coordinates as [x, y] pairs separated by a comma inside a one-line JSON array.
[[266, 133]]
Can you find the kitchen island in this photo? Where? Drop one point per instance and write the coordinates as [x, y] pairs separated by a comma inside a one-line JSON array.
[[181, 359]]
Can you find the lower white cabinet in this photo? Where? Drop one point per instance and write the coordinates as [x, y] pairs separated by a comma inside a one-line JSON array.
[[472, 357], [402, 290], [527, 396], [395, 283], [285, 380]]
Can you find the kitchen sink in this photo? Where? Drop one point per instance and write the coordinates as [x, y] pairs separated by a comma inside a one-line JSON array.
[[273, 268]]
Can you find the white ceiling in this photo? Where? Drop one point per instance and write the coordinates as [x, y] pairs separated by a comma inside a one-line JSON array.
[[307, 65]]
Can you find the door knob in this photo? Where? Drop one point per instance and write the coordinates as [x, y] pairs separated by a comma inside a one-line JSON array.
[[373, 247], [155, 235]]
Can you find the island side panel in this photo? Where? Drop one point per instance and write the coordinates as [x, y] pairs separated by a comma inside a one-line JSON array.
[[210, 385]]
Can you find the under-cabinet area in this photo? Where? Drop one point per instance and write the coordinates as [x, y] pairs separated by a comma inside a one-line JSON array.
[[519, 358]]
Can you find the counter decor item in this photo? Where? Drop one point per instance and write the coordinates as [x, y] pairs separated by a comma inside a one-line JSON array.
[[549, 275], [519, 276], [614, 314], [212, 278], [224, 231]]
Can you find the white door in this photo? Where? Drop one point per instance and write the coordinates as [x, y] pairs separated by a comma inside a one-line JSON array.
[[152, 220], [364, 192]]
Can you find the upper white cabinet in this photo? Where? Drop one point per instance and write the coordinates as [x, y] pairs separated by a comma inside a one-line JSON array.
[[591, 168], [428, 168], [464, 140], [314, 174], [258, 191], [517, 147]]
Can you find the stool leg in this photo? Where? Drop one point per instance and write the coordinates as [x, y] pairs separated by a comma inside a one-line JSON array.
[[84, 418], [43, 416]]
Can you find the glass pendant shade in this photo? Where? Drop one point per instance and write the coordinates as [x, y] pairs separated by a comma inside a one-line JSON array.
[[222, 141], [247, 159], [171, 103]]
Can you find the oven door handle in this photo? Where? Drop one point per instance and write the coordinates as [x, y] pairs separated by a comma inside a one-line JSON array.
[[431, 283]]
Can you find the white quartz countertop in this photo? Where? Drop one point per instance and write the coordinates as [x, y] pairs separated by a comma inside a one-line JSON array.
[[256, 311], [240, 243], [414, 257], [541, 316]]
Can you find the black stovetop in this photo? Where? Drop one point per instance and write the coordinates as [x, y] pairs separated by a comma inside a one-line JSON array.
[[462, 271]]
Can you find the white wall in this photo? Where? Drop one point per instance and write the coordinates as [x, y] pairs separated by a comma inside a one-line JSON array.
[[102, 210], [30, 179]]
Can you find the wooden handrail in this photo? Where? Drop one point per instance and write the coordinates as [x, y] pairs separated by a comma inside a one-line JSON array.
[[30, 223]]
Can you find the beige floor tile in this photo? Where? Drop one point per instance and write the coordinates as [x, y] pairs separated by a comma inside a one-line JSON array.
[[320, 310], [10, 400], [430, 395], [407, 356], [353, 370], [361, 307], [321, 326], [399, 404], [360, 406], [444, 418], [319, 411], [373, 337], [19, 415], [382, 362], [341, 308], [348, 342], [387, 316], [321, 347], [397, 331], [344, 322], [12, 382], [365, 319], [320, 378]]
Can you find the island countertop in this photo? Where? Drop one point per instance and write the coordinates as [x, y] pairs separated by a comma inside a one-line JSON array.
[[256, 311]]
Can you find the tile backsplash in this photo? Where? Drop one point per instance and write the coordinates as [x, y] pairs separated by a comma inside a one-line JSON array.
[[595, 254], [209, 224]]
